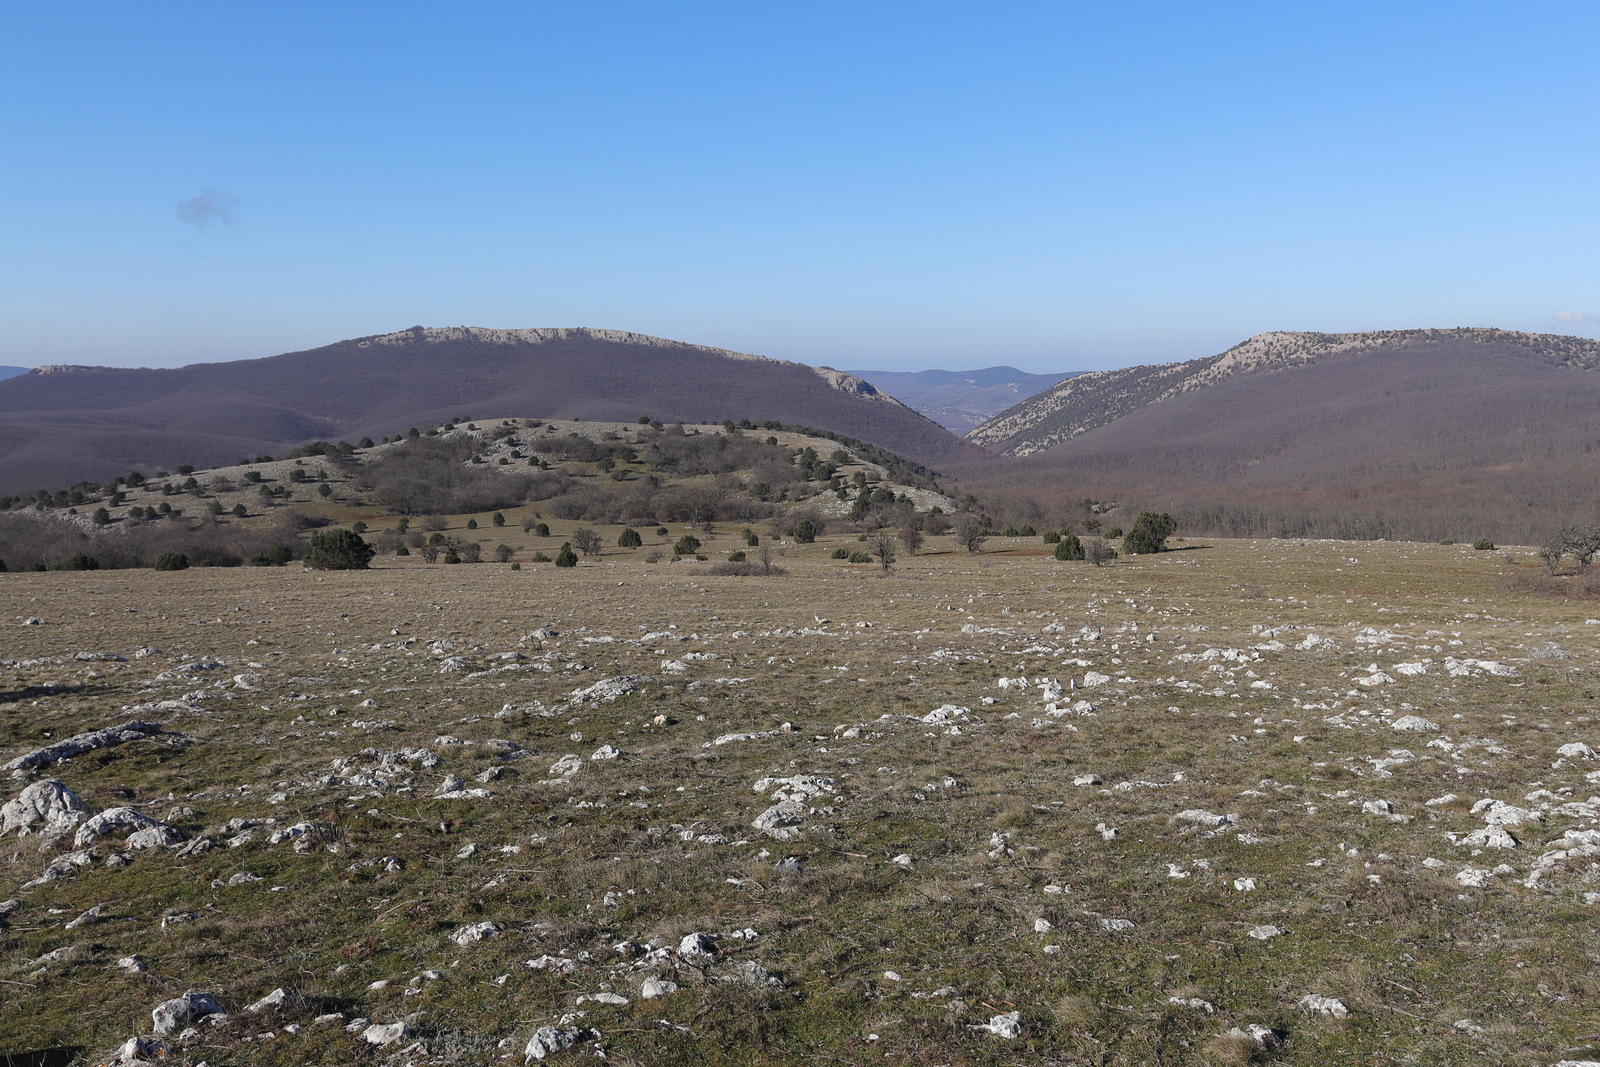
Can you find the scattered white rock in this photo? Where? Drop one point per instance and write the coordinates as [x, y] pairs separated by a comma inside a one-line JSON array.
[[78, 744], [1321, 1005], [1008, 1025], [145, 831], [181, 1011], [47, 808], [1415, 724], [656, 987], [1264, 932], [472, 934], [550, 1039], [383, 1034]]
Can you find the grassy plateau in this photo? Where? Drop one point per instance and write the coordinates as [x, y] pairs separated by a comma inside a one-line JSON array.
[[1144, 807]]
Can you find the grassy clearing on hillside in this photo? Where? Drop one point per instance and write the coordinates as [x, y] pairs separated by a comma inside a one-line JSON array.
[[947, 868]]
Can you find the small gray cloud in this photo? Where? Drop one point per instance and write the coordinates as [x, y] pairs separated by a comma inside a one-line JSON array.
[[208, 209], [1575, 316]]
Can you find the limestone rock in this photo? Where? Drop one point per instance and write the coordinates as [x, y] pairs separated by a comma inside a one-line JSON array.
[[143, 831], [47, 808], [550, 1039], [1321, 1005], [181, 1011], [1008, 1025]]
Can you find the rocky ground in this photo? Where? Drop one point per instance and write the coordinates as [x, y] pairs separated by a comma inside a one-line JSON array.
[[1298, 802]]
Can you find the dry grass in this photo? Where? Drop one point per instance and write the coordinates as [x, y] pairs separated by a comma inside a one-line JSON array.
[[666, 829]]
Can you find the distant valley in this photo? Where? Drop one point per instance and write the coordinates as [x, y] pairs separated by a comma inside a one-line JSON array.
[[959, 400]]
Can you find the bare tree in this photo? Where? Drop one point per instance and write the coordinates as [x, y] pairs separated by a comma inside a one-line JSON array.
[[970, 535], [881, 545], [586, 541]]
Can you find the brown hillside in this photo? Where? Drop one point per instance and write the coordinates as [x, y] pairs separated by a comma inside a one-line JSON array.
[[1420, 439], [60, 426]]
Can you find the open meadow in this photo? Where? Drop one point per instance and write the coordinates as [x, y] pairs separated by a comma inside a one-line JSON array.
[[1242, 801]]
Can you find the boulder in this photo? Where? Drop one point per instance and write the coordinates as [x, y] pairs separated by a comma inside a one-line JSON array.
[[143, 831], [179, 1012], [47, 808], [550, 1039]]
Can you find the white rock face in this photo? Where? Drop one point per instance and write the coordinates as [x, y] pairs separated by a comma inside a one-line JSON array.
[[181, 1011], [47, 808], [1474, 877]]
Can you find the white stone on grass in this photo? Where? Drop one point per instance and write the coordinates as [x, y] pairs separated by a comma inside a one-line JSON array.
[[47, 808], [1008, 1025], [1321, 1005], [181, 1011]]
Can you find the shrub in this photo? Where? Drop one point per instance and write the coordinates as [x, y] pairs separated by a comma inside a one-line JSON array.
[[1051, 537], [539, 557], [472, 524], [566, 557], [338, 550], [359, 527], [80, 561], [629, 538], [541, 530], [859, 556], [499, 519], [172, 561], [1150, 532], [970, 534], [240, 511], [1069, 547], [805, 532], [687, 545], [101, 516], [744, 569], [839, 553], [516, 566], [503, 553], [1483, 544], [1099, 553], [1115, 531]]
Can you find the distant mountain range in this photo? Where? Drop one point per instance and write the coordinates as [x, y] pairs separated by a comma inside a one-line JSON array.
[[961, 399], [12, 372], [61, 425], [1415, 433]]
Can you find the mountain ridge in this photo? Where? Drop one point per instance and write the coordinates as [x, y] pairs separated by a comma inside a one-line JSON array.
[[59, 426], [1089, 401]]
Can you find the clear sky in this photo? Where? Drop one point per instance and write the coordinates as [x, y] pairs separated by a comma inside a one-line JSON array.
[[1058, 186]]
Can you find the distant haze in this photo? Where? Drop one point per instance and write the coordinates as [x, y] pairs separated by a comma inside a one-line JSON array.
[[959, 400]]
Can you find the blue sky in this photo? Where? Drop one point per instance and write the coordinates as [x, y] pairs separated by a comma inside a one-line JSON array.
[[1057, 186]]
